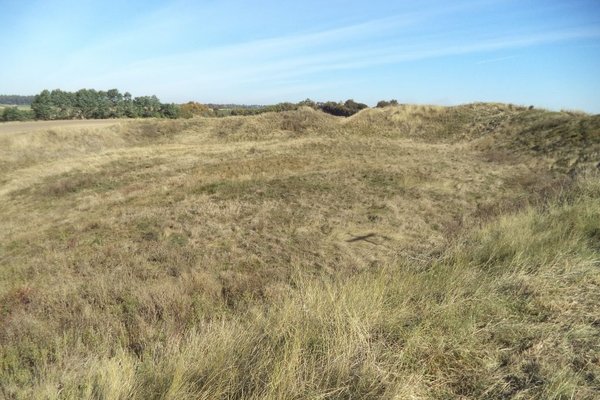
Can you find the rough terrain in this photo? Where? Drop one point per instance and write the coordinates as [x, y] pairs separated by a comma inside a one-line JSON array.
[[405, 252]]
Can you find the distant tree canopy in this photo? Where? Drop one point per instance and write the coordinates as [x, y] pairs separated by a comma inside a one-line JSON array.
[[279, 107], [342, 109], [99, 104], [15, 100]]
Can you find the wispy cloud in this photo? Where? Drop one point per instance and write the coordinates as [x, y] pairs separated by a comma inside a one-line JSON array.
[[339, 47], [178, 50], [280, 58]]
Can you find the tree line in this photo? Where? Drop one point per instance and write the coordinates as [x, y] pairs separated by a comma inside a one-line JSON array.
[[342, 109], [16, 100], [98, 104]]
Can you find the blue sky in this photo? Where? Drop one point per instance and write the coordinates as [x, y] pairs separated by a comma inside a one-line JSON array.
[[545, 53]]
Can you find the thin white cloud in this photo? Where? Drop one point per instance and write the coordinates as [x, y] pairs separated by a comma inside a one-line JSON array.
[[111, 52], [220, 65], [260, 64]]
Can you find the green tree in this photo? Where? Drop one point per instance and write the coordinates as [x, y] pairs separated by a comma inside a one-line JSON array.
[[147, 106], [129, 109], [170, 111], [103, 105], [90, 103], [62, 104], [115, 100], [86, 101], [42, 106]]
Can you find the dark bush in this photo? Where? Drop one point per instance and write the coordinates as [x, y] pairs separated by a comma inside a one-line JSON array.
[[170, 111], [346, 109], [14, 114], [385, 103], [308, 103]]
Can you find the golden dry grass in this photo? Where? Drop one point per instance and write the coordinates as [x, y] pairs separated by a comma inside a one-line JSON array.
[[299, 255]]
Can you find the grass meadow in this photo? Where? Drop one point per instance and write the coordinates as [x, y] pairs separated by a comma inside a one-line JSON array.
[[411, 252]]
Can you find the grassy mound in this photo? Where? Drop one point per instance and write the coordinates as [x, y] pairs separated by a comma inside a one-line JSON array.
[[297, 255]]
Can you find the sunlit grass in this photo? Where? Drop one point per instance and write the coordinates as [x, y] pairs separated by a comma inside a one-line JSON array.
[[298, 255]]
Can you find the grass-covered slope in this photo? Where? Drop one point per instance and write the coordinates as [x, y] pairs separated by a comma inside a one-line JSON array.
[[408, 252], [510, 310]]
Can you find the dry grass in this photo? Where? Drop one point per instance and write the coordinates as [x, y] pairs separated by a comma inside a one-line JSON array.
[[298, 255]]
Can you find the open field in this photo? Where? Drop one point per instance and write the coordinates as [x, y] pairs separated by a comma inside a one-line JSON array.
[[31, 126], [405, 252]]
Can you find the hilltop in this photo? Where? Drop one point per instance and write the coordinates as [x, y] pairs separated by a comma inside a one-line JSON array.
[[405, 251]]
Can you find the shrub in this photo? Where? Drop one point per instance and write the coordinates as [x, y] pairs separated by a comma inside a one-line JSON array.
[[308, 103], [14, 114], [346, 109], [170, 111], [192, 109], [385, 103]]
